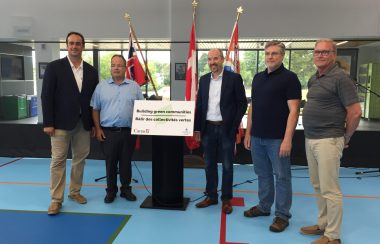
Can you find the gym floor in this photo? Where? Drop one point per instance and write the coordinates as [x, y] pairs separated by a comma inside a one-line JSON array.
[[24, 199]]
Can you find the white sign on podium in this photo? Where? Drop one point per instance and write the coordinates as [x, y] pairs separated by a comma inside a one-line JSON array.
[[163, 118]]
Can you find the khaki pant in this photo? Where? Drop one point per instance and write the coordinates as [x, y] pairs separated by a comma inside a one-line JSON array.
[[79, 139], [323, 157]]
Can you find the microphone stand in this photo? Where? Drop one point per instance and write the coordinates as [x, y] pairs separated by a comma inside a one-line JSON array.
[[103, 177], [367, 90]]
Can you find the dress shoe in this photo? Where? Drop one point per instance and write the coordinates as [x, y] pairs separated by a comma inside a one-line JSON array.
[[128, 195], [78, 198], [255, 212], [226, 207], [54, 208], [109, 198], [326, 240], [278, 225], [206, 202], [311, 230]]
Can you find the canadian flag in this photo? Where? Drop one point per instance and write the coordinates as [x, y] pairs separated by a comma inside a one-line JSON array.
[[191, 82]]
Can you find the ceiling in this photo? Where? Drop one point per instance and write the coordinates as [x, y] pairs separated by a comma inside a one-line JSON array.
[[153, 44]]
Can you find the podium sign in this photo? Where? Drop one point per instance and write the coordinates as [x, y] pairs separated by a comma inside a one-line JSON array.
[[163, 118], [167, 122]]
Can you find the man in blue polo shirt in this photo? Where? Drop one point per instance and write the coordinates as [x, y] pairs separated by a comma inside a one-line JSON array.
[[112, 104], [272, 119]]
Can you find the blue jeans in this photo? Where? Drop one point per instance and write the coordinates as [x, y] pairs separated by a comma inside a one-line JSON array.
[[218, 146], [267, 162]]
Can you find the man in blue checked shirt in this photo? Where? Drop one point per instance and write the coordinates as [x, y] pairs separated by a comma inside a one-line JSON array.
[[112, 104]]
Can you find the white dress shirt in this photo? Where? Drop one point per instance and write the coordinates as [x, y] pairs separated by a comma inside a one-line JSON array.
[[213, 108]]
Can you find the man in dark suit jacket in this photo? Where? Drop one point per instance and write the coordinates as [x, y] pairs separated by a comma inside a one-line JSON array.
[[221, 104], [67, 88]]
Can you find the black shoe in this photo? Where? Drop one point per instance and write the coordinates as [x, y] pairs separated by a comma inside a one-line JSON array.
[[128, 195], [109, 198]]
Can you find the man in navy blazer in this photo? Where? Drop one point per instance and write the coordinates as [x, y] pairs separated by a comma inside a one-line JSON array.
[[67, 88], [221, 104]]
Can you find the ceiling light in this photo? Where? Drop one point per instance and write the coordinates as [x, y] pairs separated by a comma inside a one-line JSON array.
[[341, 43]]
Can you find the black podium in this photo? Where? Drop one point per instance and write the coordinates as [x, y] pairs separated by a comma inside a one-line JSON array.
[[167, 174]]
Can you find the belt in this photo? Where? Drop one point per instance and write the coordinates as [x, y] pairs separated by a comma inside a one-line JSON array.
[[217, 123], [116, 129]]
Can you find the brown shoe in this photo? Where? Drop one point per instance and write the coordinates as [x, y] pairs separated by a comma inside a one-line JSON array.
[[255, 212], [206, 202], [78, 198], [278, 225], [326, 240], [226, 207], [335, 241], [54, 208], [311, 230]]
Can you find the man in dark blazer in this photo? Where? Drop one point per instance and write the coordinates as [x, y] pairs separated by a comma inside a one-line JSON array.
[[67, 88], [221, 104]]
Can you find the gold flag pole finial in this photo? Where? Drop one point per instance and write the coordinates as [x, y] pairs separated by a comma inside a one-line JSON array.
[[128, 18], [239, 11], [194, 4]]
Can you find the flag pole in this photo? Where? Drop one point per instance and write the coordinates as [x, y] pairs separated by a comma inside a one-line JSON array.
[[194, 4], [239, 11], [128, 18]]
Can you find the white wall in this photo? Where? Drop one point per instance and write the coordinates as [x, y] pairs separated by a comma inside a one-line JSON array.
[[103, 19], [51, 20], [96, 19]]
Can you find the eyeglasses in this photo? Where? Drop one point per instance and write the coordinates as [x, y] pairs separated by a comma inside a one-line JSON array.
[[272, 54], [323, 53]]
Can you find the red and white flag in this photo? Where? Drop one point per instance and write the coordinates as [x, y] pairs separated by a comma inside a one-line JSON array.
[[191, 82], [233, 64], [134, 69], [191, 69], [232, 57]]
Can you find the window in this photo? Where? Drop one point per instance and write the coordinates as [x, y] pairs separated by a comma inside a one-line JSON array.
[[159, 67], [86, 55], [302, 64], [12, 67], [105, 63]]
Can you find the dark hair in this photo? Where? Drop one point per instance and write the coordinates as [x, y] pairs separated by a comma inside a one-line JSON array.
[[119, 56], [74, 33]]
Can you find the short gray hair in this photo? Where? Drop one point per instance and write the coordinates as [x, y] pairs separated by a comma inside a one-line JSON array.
[[333, 44], [276, 43]]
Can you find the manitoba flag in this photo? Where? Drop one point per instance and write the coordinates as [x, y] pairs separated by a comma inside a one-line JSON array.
[[191, 82], [233, 64], [134, 69], [232, 57]]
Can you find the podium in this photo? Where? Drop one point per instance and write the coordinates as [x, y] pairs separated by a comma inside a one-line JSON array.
[[167, 174]]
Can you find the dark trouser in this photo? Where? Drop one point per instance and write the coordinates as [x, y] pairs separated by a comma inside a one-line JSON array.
[[218, 145], [118, 147]]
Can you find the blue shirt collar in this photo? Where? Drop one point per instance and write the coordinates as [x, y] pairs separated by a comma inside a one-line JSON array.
[[125, 81]]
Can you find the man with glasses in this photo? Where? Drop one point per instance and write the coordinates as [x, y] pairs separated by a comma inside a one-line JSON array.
[[272, 119], [330, 117], [67, 88], [112, 104]]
